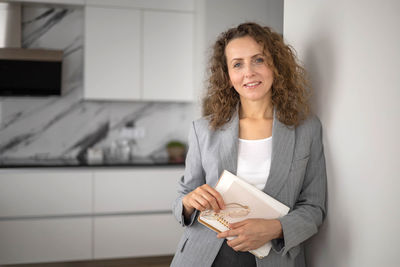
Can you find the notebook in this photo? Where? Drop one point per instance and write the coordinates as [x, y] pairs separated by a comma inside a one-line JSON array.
[[242, 201]]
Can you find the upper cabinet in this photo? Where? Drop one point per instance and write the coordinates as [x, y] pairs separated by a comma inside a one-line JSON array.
[[139, 53], [112, 53], [61, 2], [172, 5], [168, 56]]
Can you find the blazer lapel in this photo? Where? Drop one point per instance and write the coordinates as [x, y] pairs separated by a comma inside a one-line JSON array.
[[228, 146], [283, 141]]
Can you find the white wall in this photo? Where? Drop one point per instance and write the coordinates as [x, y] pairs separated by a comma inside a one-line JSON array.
[[352, 52]]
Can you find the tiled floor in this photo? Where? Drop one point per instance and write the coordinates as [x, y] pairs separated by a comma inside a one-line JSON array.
[[163, 261]]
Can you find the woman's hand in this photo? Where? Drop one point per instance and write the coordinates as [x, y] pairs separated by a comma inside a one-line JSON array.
[[252, 233], [202, 198]]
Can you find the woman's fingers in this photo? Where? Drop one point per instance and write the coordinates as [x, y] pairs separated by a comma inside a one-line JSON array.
[[194, 201], [238, 224], [211, 200], [202, 201], [217, 197], [204, 197], [208, 197], [229, 233], [241, 247], [237, 244], [252, 233], [198, 205]]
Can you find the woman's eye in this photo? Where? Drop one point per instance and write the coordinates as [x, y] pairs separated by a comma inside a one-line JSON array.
[[259, 60], [236, 65]]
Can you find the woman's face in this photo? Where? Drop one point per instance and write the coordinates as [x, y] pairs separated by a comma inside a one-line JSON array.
[[248, 70]]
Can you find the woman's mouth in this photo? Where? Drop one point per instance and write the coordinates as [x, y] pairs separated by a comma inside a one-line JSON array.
[[251, 85]]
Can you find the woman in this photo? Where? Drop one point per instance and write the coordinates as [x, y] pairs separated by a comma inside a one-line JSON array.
[[256, 124]]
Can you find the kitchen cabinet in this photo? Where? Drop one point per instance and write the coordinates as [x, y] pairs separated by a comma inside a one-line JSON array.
[[135, 236], [91, 213], [43, 215], [112, 62], [62, 2], [168, 56], [138, 53], [173, 5], [139, 190], [38, 193], [45, 240], [144, 199]]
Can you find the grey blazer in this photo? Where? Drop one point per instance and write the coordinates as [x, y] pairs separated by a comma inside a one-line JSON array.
[[297, 178]]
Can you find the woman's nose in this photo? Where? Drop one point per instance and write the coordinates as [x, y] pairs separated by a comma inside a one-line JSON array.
[[249, 71]]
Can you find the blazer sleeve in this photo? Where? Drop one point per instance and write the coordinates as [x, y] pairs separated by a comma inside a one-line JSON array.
[[309, 210], [193, 177]]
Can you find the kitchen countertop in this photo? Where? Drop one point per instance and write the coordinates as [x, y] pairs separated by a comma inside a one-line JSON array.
[[136, 162]]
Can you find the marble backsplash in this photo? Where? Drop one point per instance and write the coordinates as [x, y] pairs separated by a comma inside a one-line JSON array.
[[47, 128]]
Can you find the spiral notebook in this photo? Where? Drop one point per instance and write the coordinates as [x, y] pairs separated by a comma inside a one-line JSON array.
[[242, 201]]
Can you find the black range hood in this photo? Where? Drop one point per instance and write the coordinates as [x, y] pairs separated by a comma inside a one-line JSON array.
[[24, 71], [30, 72]]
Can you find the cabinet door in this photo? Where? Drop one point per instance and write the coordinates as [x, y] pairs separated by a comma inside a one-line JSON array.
[[63, 2], [112, 53], [26, 193], [168, 56], [45, 240], [182, 5], [136, 236], [136, 190]]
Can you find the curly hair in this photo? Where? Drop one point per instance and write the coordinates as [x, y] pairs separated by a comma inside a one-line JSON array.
[[289, 93]]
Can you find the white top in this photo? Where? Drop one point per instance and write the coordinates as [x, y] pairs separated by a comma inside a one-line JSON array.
[[254, 161]]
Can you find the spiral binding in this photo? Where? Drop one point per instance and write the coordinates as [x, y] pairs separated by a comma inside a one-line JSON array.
[[221, 220]]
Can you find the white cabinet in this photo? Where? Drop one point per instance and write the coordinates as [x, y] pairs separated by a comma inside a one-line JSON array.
[[175, 5], [112, 53], [139, 53], [135, 190], [136, 236], [62, 2], [68, 214], [168, 56], [146, 226], [39, 193], [40, 215], [45, 240]]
